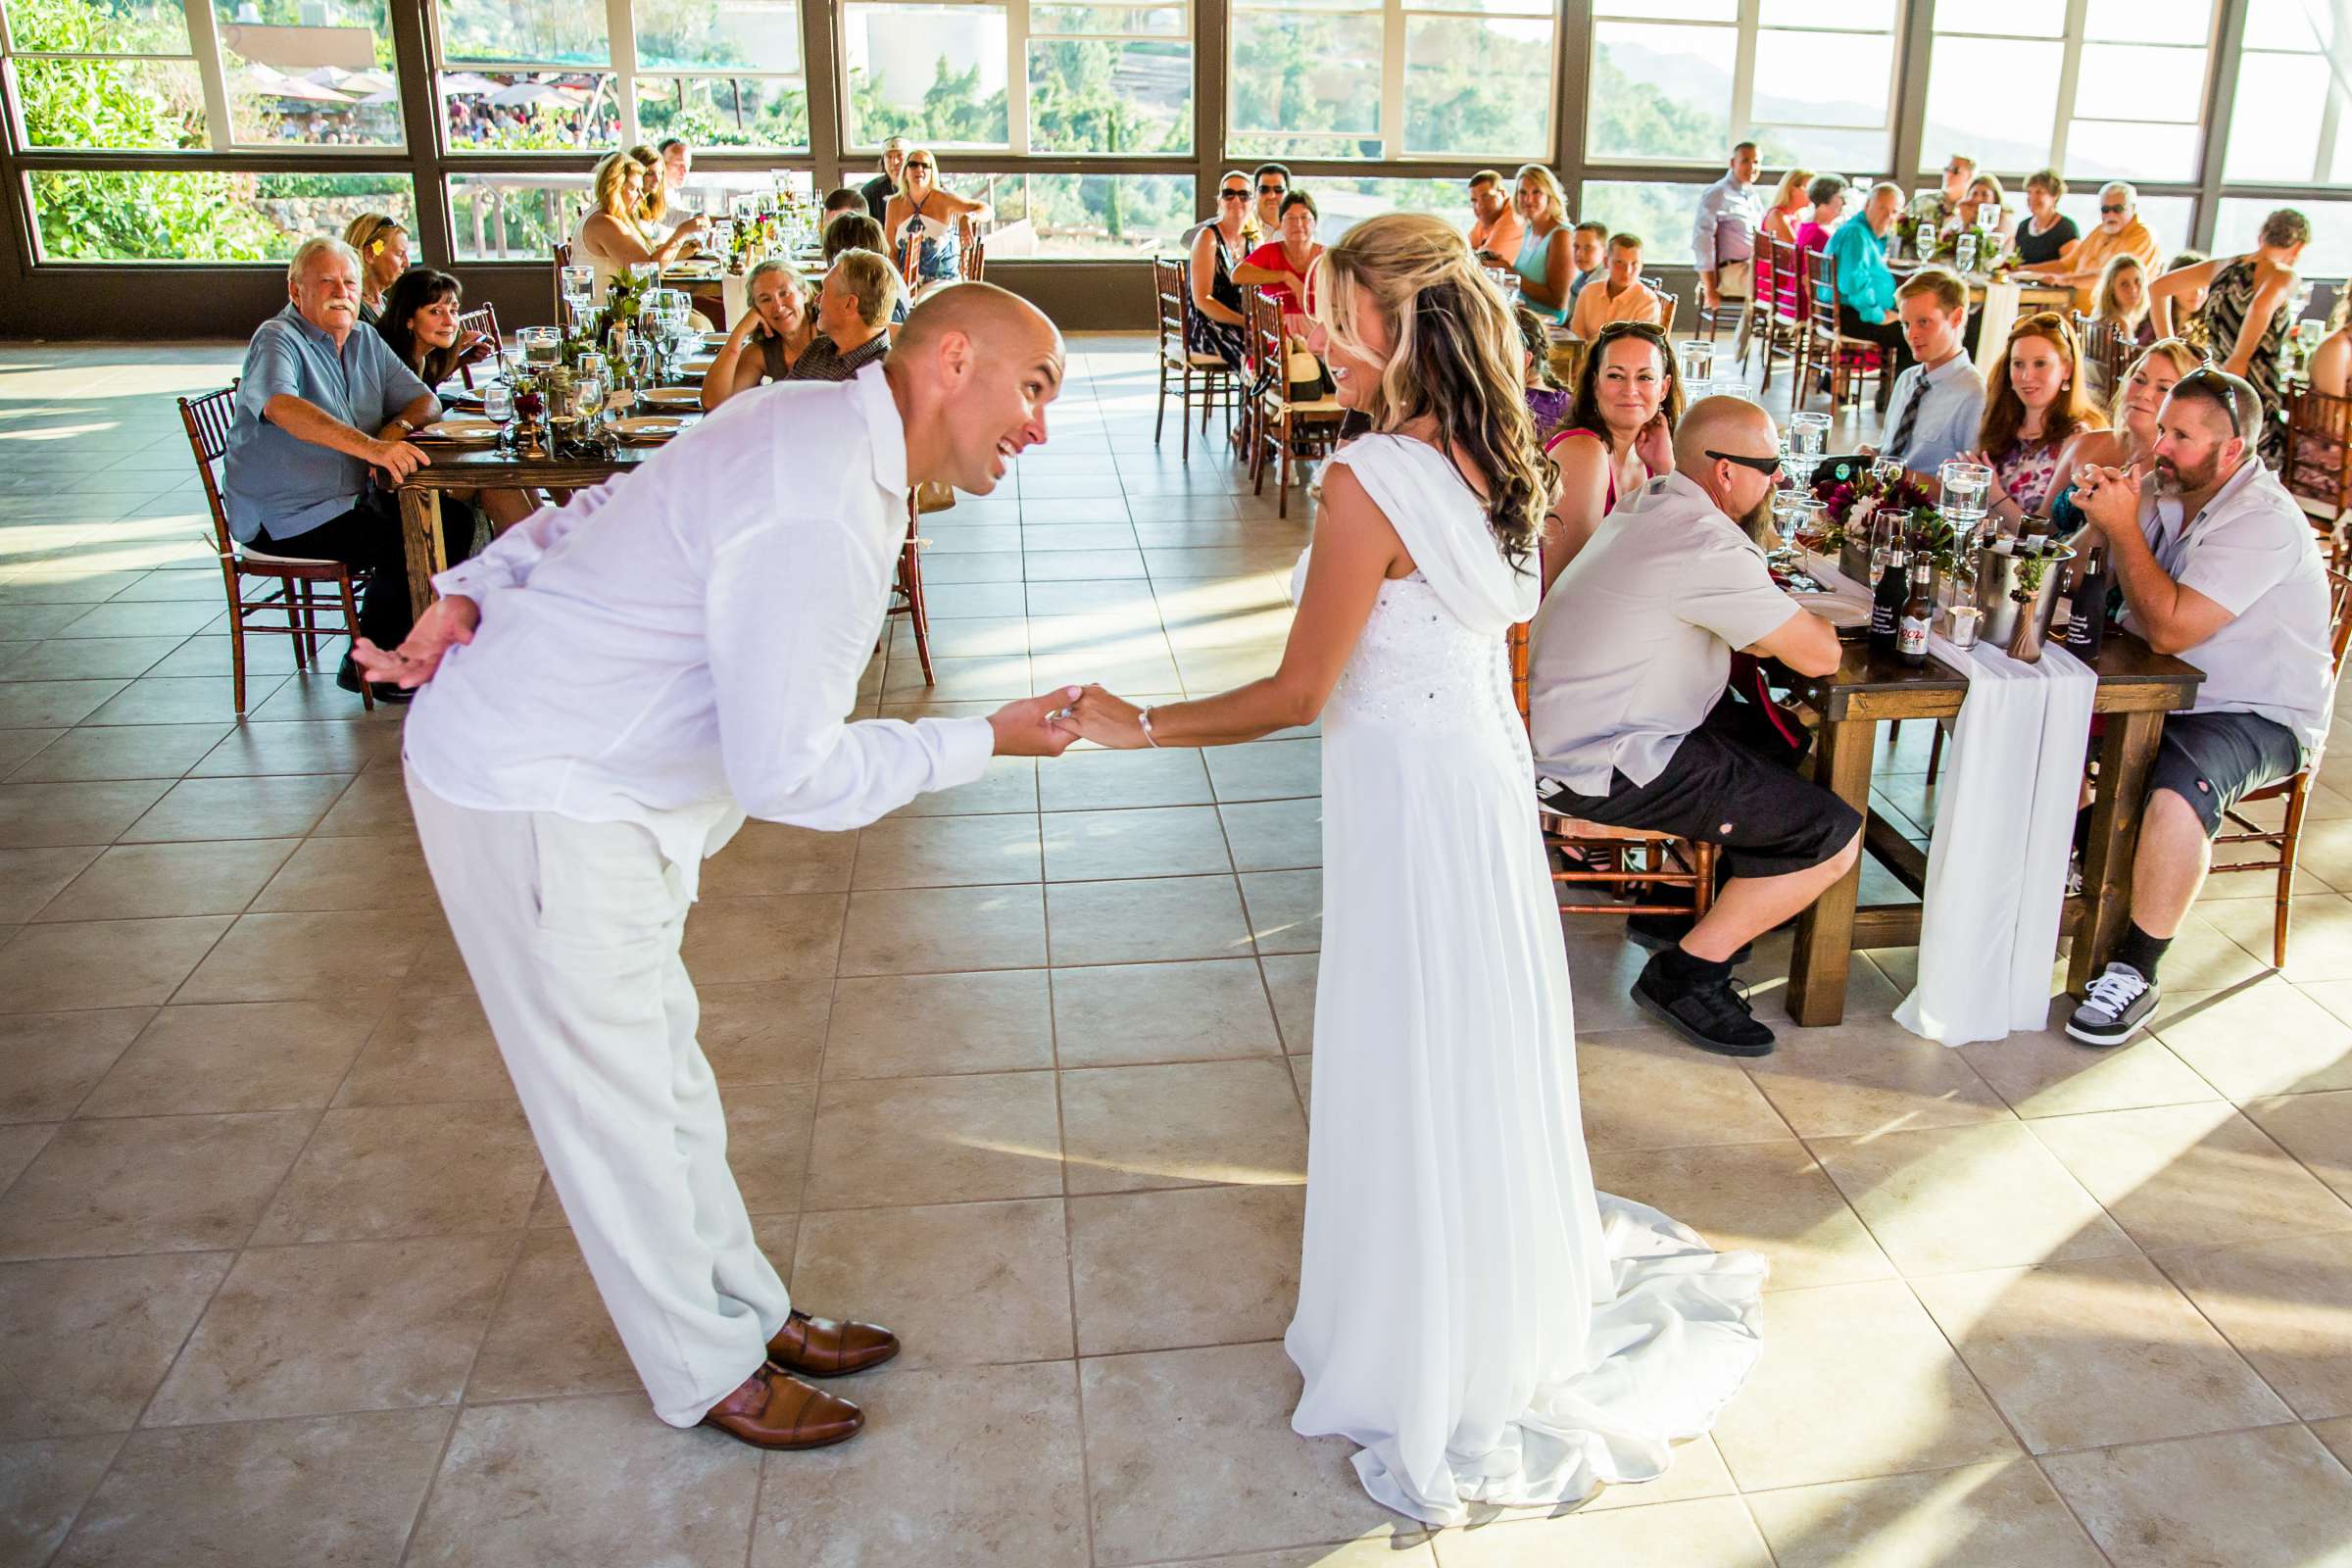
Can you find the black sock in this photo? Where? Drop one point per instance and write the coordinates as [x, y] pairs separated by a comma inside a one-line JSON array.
[[1686, 970], [2083, 831], [2141, 950]]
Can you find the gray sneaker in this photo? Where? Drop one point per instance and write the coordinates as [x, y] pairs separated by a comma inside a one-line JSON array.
[[2114, 1006]]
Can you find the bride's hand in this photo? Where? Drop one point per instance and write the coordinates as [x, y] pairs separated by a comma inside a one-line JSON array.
[[1108, 721]]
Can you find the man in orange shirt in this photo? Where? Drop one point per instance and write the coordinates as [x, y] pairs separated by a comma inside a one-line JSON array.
[[2120, 232], [1619, 295], [1496, 226]]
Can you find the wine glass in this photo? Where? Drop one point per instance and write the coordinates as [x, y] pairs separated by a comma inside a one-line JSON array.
[[579, 287], [498, 405], [645, 274], [1887, 470]]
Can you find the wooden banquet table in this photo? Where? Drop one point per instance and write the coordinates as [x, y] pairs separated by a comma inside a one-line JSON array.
[[2137, 687], [470, 468]]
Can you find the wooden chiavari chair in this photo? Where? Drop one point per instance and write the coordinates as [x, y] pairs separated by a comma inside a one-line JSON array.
[[1279, 424], [1219, 382]]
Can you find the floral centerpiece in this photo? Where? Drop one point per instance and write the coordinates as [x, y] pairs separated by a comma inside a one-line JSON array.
[[621, 302], [1851, 505]]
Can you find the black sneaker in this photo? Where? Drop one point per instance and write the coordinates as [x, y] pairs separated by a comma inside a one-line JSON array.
[[347, 677], [1711, 1016], [1658, 932], [2114, 1006]]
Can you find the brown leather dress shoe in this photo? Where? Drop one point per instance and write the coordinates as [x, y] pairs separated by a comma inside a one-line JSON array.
[[795, 1416], [824, 1348]]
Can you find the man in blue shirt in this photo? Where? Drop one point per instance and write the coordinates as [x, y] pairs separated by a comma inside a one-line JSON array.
[[1866, 287], [323, 407]]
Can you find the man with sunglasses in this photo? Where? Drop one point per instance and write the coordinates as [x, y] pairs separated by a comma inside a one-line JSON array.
[[2120, 233], [1632, 725], [1273, 183], [2217, 566]]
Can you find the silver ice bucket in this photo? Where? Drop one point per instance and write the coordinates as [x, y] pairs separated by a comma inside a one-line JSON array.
[[1997, 576]]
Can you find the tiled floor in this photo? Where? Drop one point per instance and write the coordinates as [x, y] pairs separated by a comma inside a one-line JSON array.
[[1022, 1071]]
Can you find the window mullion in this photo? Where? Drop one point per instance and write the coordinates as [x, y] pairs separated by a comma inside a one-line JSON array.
[[2332, 125], [620, 31], [1392, 79], [1017, 77], [2070, 70], [1743, 70], [204, 42]]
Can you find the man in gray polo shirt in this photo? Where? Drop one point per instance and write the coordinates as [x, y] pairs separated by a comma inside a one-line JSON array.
[[1632, 725], [2217, 566]]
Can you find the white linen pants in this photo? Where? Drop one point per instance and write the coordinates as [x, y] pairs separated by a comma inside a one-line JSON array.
[[571, 932]]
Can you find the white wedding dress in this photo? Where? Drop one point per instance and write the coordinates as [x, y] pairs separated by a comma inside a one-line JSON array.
[[1470, 1311]]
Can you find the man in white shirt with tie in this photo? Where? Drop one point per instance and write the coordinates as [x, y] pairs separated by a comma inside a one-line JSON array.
[[614, 686], [1723, 237], [1937, 404]]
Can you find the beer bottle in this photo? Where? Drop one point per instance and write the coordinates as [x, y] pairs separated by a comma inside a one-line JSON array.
[[1919, 613]]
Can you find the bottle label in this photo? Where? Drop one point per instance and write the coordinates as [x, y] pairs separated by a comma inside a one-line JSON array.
[[1913, 639]]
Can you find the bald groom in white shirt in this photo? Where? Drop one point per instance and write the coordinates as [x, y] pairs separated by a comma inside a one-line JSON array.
[[615, 684]]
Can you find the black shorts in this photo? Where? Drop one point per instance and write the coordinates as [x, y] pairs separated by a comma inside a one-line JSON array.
[[2213, 761], [1769, 821]]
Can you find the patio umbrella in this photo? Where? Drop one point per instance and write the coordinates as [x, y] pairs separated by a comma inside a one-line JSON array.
[[534, 95], [366, 82], [295, 88], [465, 83]]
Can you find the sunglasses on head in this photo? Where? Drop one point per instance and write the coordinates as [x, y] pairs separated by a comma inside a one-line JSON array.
[[2208, 381], [1767, 466]]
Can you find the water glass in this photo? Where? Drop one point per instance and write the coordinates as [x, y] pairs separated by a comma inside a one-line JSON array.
[[1698, 359], [1964, 250], [542, 346], [1808, 435], [579, 286], [645, 274]]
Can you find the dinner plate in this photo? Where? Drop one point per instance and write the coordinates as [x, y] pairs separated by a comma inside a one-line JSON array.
[[700, 364], [671, 396], [463, 431], [647, 428]]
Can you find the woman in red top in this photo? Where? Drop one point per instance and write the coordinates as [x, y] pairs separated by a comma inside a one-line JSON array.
[[1281, 266], [1618, 435]]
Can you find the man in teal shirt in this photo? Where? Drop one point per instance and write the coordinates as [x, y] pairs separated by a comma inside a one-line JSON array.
[[1866, 287]]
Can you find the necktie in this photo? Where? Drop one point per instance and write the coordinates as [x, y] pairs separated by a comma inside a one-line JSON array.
[[1909, 422]]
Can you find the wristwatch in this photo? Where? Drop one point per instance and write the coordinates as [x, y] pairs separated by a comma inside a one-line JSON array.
[[406, 429]]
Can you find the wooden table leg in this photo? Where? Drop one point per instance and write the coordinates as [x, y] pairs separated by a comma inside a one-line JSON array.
[[1825, 933], [2127, 751], [421, 539]]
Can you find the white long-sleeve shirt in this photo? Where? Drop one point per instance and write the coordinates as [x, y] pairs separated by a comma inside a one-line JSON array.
[[1723, 233], [679, 647]]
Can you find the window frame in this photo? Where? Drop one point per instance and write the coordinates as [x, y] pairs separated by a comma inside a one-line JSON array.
[[2335, 114]]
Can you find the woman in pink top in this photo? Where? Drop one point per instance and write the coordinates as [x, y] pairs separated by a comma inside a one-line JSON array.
[[1826, 193], [1780, 219], [1618, 435]]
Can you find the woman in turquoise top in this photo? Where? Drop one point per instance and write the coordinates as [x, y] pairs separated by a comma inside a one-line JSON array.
[[1545, 263]]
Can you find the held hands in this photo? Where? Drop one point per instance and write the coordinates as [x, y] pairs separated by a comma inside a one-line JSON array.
[[1037, 726], [1109, 721], [448, 623]]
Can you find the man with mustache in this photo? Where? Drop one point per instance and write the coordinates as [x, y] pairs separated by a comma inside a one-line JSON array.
[[616, 685], [2216, 565]]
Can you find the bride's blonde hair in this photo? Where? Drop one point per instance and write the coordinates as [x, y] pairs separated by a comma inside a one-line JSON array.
[[1457, 358]]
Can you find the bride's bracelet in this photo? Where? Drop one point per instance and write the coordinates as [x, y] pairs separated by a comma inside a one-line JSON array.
[[1143, 721]]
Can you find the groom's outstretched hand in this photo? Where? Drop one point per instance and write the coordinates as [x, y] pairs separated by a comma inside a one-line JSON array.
[[450, 621], [1036, 726], [1109, 721]]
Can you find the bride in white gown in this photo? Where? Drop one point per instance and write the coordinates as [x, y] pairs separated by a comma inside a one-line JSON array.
[[1470, 1311]]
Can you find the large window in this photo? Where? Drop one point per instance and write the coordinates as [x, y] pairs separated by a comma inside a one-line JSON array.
[[303, 71], [2293, 118], [1083, 78], [1660, 216], [90, 75], [1393, 78], [1089, 217], [722, 73], [527, 76], [2122, 95], [1812, 82], [200, 215]]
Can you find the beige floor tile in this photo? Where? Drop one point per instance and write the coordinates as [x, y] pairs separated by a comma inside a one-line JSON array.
[[86, 1340], [137, 881], [19, 1145], [1158, 1423], [943, 930], [43, 1485], [178, 1184], [1696, 1471], [767, 1142], [1286, 910], [938, 851], [1145, 1012], [123, 751], [1274, 835], [2318, 933], [1864, 1078], [769, 858], [1946, 1199], [1984, 1513], [1266, 770], [353, 873], [334, 1489], [1199, 1266], [271, 958], [1866, 1376], [35, 815], [147, 618], [50, 1062], [960, 1284], [384, 1171], [2273, 1498], [1290, 984], [1716, 1531], [2337, 1435], [893, 1140], [1380, 1551], [1643, 1088], [30, 878], [1768, 1197], [1008, 785], [33, 704], [90, 658], [313, 747], [427, 1049], [771, 1033], [1098, 781], [2096, 1351], [599, 1479], [353, 1326], [2190, 1176], [376, 805], [2286, 1305], [1144, 921], [2265, 1039], [205, 700], [779, 937], [1127, 1129], [1146, 842], [264, 1056], [551, 1335], [2045, 1073], [902, 1026], [2317, 1128], [941, 1454]]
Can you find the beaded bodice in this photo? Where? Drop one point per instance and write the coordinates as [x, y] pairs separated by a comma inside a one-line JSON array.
[[1415, 664]]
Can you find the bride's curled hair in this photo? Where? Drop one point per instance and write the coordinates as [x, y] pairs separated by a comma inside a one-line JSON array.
[[1456, 358]]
